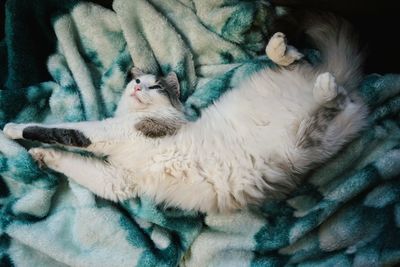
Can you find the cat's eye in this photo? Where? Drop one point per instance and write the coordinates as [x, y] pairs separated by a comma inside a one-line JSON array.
[[137, 81], [155, 87]]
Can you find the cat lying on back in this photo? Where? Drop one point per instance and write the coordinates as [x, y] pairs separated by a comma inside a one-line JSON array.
[[253, 144]]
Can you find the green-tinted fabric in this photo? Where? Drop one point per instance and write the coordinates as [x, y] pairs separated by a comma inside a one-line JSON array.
[[73, 66]]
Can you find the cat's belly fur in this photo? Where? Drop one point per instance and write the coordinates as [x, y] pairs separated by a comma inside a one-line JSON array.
[[265, 112]]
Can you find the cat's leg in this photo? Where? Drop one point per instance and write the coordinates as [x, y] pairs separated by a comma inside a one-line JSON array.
[[78, 134], [338, 118], [98, 176], [327, 93], [169, 184], [280, 52]]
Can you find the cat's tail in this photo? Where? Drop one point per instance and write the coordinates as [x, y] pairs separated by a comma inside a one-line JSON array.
[[341, 54]]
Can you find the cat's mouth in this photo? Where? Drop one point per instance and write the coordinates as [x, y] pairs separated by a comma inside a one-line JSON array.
[[136, 97]]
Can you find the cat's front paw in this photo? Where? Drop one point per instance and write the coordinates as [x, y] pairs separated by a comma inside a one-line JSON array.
[[13, 130], [280, 52], [43, 156], [276, 47]]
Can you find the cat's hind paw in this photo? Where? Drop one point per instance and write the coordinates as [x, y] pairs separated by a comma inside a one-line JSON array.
[[13, 130], [280, 52], [325, 88], [43, 156]]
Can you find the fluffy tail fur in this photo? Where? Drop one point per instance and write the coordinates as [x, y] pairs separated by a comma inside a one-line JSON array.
[[340, 51]]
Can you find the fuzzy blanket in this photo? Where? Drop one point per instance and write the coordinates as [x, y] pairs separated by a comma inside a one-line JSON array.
[[67, 60]]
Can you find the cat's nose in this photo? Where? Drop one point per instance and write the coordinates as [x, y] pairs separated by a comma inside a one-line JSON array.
[[137, 88]]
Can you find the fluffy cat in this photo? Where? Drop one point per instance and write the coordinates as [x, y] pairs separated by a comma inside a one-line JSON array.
[[254, 143]]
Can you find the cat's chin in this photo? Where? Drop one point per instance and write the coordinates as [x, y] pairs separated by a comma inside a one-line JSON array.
[[137, 103], [136, 98]]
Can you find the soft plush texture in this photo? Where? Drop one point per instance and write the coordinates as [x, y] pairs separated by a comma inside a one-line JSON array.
[[348, 213]]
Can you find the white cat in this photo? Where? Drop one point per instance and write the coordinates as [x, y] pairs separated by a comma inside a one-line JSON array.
[[254, 143]]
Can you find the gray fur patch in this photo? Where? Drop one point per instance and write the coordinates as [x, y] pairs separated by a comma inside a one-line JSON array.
[[155, 127], [69, 137], [316, 126], [171, 89]]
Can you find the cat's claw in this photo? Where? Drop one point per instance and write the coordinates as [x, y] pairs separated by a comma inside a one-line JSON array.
[[280, 52], [325, 88], [13, 130]]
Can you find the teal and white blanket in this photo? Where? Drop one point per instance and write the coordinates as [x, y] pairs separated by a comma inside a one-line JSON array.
[[67, 60]]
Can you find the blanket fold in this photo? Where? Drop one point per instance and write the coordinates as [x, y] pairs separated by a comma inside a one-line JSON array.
[[68, 61]]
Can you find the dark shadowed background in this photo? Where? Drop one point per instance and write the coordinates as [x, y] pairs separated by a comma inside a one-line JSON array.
[[377, 22]]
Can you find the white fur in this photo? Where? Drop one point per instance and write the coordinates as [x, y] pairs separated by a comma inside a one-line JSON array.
[[234, 155]]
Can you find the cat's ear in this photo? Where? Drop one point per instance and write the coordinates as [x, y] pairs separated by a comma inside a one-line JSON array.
[[173, 83], [136, 72]]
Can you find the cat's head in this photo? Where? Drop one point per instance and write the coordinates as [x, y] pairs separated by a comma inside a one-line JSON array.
[[149, 92]]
